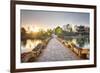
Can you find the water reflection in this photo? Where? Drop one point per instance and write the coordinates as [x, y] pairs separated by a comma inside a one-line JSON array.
[[82, 42], [28, 45]]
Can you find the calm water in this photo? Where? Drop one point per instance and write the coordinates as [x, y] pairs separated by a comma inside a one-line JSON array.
[[28, 45], [82, 42]]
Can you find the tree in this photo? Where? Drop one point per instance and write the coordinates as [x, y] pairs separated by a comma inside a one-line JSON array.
[[49, 32], [81, 29], [69, 27], [23, 33], [58, 31]]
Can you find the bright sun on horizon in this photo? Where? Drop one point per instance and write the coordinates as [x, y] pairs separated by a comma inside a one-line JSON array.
[[34, 29]]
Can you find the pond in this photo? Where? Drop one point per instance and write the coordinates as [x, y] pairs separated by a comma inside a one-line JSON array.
[[82, 42], [28, 45]]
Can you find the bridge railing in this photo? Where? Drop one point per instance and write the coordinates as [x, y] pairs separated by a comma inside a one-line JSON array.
[[81, 52]]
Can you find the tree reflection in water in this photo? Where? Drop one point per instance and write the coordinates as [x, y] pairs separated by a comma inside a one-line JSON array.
[[79, 41], [82, 41], [29, 44]]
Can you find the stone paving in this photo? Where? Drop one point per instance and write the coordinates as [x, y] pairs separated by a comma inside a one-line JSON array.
[[56, 51]]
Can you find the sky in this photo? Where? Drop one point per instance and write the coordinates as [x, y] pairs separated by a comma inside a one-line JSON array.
[[52, 19]]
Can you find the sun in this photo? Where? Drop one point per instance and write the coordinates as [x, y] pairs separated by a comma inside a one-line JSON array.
[[35, 29]]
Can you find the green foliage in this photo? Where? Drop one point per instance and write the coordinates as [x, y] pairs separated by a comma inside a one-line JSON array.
[[49, 32], [58, 31]]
